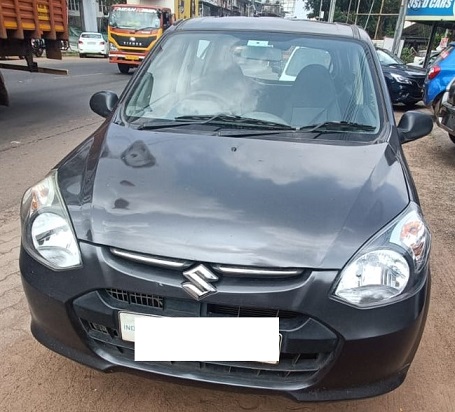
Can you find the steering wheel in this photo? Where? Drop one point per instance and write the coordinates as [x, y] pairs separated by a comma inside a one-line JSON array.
[[210, 103]]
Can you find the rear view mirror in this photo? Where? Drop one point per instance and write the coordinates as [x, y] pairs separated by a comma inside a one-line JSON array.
[[414, 125], [261, 53], [103, 103]]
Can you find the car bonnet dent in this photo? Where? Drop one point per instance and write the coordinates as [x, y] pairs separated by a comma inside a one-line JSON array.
[[237, 201]]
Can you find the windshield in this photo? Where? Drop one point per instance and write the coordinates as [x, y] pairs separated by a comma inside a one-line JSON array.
[[134, 18], [388, 59], [198, 76]]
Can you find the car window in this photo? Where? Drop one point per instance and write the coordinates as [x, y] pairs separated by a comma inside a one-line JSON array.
[[303, 56], [387, 59], [240, 74], [91, 36], [444, 54]]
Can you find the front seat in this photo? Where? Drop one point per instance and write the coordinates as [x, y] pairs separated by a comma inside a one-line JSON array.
[[313, 99]]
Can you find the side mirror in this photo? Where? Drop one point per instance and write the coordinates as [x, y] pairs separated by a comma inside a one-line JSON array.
[[103, 103], [413, 125]]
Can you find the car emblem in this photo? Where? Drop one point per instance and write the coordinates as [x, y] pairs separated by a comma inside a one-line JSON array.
[[132, 38], [199, 285]]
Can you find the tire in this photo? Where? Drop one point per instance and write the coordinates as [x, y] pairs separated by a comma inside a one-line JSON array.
[[81, 55], [436, 110], [124, 68], [452, 137]]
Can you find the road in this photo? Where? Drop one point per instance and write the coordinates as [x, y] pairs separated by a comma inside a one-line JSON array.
[[46, 107], [36, 379]]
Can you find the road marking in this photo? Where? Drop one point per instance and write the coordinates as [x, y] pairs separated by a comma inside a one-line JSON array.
[[78, 75]]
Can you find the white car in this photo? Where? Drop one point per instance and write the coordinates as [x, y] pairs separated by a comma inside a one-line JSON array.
[[92, 43]]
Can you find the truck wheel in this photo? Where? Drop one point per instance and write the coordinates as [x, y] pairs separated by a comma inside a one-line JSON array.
[[452, 137], [124, 68]]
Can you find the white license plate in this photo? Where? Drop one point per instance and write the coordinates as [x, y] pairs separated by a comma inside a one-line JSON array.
[[126, 322], [127, 328], [91, 42]]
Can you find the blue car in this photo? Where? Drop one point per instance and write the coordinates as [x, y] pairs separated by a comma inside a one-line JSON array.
[[440, 74]]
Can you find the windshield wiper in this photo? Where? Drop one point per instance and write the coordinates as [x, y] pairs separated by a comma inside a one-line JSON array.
[[167, 123], [338, 126], [144, 28], [231, 119]]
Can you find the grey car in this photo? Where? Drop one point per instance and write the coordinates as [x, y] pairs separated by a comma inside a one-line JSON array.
[[216, 190]]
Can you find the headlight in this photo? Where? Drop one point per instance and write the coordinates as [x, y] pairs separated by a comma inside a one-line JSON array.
[[400, 79], [47, 233], [388, 265], [112, 47]]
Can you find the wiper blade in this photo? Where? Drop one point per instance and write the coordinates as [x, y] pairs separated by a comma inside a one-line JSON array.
[[145, 28], [339, 126], [157, 124], [231, 119]]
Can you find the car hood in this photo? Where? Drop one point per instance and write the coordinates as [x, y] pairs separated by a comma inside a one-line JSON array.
[[231, 200], [407, 70]]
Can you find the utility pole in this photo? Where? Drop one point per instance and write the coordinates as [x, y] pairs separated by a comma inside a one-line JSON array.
[[331, 10], [399, 27]]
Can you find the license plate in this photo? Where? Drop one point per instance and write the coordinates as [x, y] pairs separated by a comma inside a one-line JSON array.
[[129, 57], [127, 323], [91, 42]]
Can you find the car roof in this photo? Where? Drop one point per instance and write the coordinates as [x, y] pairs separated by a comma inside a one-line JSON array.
[[276, 24], [89, 32]]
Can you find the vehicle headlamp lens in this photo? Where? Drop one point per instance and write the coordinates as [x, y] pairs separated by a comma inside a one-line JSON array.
[[47, 233], [401, 79], [374, 277], [391, 263], [53, 239]]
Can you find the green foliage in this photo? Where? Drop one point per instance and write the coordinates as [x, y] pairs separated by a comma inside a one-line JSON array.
[[345, 12], [407, 55]]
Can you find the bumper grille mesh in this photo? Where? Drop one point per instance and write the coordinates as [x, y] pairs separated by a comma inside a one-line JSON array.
[[152, 301]]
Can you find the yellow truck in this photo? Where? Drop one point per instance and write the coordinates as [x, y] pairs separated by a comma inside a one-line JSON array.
[[21, 22], [133, 29]]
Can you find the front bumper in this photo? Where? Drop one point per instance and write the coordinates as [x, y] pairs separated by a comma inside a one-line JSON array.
[[405, 93], [329, 350], [133, 59]]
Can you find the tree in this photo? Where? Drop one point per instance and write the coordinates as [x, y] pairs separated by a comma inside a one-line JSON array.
[[346, 12]]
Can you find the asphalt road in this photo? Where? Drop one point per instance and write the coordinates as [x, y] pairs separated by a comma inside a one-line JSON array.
[[45, 107], [42, 102], [32, 378]]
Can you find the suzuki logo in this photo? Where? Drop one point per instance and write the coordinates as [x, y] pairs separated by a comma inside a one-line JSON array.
[[199, 285]]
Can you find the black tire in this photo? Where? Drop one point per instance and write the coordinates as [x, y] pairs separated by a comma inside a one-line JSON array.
[[81, 55], [124, 68], [452, 137], [38, 52]]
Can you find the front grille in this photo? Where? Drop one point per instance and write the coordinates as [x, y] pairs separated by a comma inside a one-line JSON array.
[[240, 311], [138, 43], [152, 301], [159, 302]]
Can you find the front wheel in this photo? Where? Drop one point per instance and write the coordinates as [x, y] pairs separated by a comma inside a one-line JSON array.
[[124, 68], [452, 137], [437, 110]]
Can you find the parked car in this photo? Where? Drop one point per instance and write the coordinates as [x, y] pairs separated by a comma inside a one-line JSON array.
[[439, 75], [92, 43], [404, 81], [208, 193], [446, 115]]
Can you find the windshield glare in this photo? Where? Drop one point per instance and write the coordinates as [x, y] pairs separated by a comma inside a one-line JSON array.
[[281, 78], [388, 59], [134, 18]]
